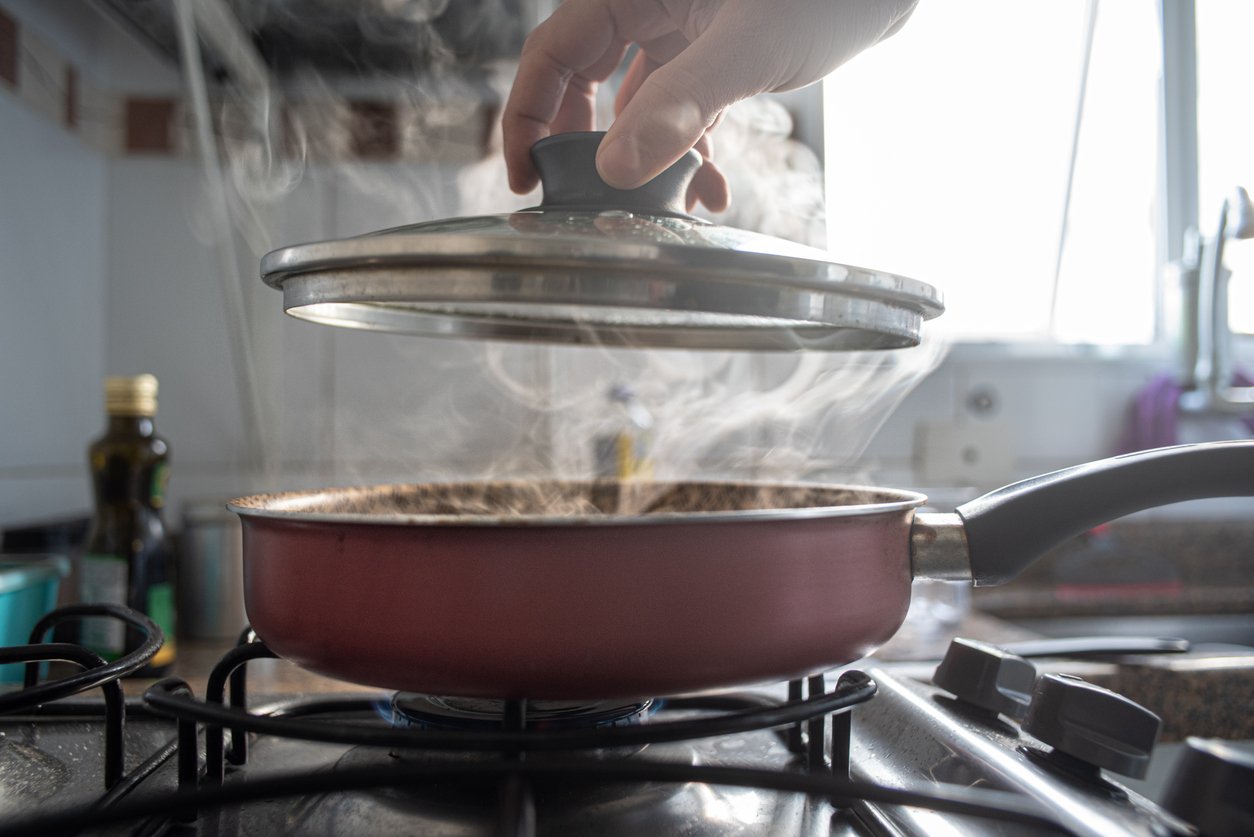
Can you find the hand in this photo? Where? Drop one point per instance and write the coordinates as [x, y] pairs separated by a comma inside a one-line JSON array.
[[696, 58]]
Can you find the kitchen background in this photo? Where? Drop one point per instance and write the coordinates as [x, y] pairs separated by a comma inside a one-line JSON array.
[[114, 259]]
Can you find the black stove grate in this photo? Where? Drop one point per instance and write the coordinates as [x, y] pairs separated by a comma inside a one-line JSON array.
[[96, 672], [814, 722]]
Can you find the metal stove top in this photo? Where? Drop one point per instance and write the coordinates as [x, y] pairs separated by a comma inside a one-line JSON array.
[[880, 752]]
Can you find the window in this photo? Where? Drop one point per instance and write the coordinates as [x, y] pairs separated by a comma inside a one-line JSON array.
[[1225, 127], [948, 153]]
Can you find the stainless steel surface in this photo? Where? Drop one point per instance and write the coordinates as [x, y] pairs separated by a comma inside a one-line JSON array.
[[45, 764], [679, 284], [938, 547], [55, 762], [210, 578], [645, 808], [911, 733]]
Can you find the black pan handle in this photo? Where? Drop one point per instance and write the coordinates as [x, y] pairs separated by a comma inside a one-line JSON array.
[[568, 174], [1011, 527]]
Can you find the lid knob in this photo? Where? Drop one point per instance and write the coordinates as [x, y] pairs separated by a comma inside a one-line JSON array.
[[568, 175], [984, 676], [1095, 725]]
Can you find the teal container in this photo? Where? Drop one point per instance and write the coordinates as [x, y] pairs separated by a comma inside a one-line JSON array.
[[28, 589]]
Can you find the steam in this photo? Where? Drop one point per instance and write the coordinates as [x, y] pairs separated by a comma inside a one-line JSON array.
[[300, 168]]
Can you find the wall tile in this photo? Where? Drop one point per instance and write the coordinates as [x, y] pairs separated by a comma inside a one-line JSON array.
[[149, 125], [8, 49]]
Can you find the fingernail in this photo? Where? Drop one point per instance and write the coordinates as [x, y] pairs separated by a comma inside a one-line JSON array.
[[618, 162]]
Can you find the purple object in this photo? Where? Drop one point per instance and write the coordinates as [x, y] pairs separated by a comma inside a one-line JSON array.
[[1153, 420]]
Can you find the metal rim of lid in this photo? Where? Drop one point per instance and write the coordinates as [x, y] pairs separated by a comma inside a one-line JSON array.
[[623, 294]]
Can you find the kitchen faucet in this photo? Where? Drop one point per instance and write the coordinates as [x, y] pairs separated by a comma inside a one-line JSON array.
[[1207, 338]]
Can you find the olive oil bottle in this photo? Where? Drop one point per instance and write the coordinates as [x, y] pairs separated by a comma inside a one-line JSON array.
[[128, 559]]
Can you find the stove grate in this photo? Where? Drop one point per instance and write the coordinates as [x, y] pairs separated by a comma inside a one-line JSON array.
[[96, 672], [814, 722]]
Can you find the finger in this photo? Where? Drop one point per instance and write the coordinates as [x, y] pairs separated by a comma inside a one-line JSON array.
[[705, 146], [578, 109], [637, 71], [709, 184], [677, 103], [578, 37], [652, 54]]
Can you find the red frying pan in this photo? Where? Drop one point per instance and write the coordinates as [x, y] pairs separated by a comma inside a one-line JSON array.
[[600, 590]]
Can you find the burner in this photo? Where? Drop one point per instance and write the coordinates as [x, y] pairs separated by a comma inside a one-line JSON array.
[[430, 712]]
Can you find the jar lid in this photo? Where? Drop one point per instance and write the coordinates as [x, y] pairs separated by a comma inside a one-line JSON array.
[[597, 265]]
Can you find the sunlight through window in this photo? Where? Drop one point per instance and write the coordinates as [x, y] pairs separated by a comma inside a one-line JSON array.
[[948, 153]]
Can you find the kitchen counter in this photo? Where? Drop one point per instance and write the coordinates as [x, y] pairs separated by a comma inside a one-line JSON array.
[[1133, 567]]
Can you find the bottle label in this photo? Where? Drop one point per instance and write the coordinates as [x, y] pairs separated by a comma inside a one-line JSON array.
[[156, 491], [103, 581], [160, 606]]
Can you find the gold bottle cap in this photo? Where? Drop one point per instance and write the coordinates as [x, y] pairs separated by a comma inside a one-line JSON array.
[[135, 396]]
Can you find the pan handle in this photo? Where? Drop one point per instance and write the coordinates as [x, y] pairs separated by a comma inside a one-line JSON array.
[[1008, 529]]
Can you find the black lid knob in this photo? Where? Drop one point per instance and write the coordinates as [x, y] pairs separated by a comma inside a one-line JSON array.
[[568, 175], [1092, 724], [1212, 788], [987, 677]]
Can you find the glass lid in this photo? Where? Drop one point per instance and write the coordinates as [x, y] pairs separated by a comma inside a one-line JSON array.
[[602, 266]]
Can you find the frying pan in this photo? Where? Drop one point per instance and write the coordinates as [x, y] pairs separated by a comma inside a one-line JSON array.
[[606, 590]]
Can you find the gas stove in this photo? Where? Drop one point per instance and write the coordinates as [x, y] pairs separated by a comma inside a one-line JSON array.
[[981, 744]]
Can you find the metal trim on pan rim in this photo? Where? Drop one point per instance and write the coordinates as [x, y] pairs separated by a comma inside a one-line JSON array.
[[909, 500]]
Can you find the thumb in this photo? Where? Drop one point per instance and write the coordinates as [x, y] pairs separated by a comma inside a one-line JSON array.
[[675, 106]]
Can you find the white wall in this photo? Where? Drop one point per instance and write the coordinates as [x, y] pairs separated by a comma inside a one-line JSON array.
[[52, 292], [55, 189]]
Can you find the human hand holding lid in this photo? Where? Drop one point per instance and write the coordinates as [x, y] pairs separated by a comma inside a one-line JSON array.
[[696, 58]]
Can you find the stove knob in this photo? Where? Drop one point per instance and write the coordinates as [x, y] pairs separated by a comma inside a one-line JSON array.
[[1092, 724], [983, 675], [1211, 788]]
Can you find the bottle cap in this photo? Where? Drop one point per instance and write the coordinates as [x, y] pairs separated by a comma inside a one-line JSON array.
[[135, 396]]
